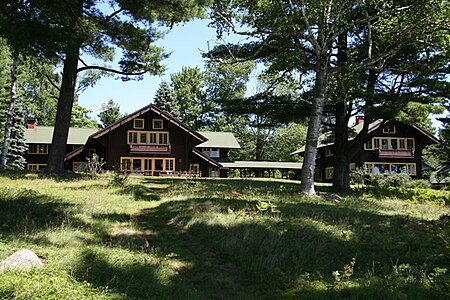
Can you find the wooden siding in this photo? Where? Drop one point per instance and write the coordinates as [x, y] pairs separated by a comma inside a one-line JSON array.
[[394, 156]]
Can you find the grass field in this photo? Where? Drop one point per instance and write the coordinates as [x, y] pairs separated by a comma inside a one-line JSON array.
[[171, 238]]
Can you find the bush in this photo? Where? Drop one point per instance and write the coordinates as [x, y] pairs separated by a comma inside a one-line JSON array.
[[95, 163], [358, 176], [419, 184], [377, 180], [117, 179], [233, 173], [397, 180]]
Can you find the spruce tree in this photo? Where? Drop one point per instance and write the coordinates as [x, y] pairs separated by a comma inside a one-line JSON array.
[[443, 150], [15, 158], [110, 114], [166, 100]]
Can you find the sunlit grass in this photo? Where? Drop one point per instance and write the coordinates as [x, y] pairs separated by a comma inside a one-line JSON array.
[[176, 238]]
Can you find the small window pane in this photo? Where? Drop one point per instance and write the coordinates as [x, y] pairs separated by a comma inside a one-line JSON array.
[[215, 152], [157, 124], [152, 138], [139, 123], [410, 144], [143, 138]]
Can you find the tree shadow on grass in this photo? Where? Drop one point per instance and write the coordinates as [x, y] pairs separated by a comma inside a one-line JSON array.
[[27, 174], [255, 258], [25, 211], [140, 192], [138, 280], [225, 184]]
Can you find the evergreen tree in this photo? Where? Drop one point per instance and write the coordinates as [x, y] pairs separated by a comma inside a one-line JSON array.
[[166, 100], [303, 38], [189, 88], [443, 150], [80, 118], [66, 29], [17, 147], [110, 115]]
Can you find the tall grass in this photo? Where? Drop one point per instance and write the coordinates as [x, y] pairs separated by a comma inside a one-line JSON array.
[[172, 238]]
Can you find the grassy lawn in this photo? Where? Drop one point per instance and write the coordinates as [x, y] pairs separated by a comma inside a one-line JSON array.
[[172, 238]]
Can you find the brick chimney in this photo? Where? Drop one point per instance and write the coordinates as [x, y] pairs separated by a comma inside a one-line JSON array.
[[31, 123], [359, 119]]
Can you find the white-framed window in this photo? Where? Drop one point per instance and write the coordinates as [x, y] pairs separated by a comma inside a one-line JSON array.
[[80, 166], [351, 166], [194, 168], [91, 151], [329, 173], [387, 168], [148, 137], [214, 172], [38, 149], [157, 124], [36, 167], [147, 164], [212, 152], [328, 152], [389, 129], [388, 143], [138, 123]]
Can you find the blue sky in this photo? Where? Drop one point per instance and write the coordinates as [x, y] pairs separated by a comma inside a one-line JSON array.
[[184, 42]]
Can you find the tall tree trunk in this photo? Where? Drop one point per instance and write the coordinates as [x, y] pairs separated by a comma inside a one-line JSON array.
[[341, 179], [315, 120], [259, 144], [55, 162], [10, 112]]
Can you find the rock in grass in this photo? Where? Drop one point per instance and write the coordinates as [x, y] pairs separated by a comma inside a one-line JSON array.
[[23, 259], [330, 196]]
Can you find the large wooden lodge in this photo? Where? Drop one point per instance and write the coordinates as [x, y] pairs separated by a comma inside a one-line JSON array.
[[152, 142], [147, 142], [391, 148]]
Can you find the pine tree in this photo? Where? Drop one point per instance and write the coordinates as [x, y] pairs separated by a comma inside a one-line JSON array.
[[443, 150], [166, 100], [17, 147], [110, 115], [68, 29]]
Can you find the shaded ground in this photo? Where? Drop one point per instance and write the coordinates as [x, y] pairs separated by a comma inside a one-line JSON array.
[[165, 238]]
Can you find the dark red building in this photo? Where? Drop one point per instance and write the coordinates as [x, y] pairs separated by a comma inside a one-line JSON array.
[[147, 142], [391, 147]]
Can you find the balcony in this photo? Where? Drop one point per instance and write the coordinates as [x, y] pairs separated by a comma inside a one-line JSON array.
[[389, 153], [150, 149]]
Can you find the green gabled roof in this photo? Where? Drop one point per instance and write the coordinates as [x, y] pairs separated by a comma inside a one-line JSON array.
[[219, 140], [326, 138], [44, 135], [263, 165]]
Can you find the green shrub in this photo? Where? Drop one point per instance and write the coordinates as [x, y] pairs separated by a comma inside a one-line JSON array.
[[377, 180], [117, 179], [358, 176], [233, 173], [419, 184], [438, 197], [397, 180], [95, 163]]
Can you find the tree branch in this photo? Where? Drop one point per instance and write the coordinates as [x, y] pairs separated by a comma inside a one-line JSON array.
[[79, 70], [52, 83]]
